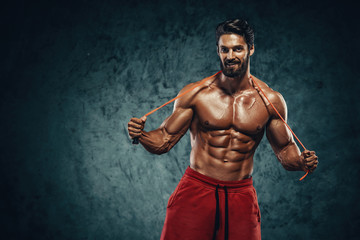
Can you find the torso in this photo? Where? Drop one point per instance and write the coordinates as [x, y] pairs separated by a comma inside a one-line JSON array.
[[225, 131]]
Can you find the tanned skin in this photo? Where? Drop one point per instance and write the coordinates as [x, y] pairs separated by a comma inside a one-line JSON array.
[[227, 117]]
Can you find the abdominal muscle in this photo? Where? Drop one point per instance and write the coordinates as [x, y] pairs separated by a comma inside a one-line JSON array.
[[223, 154]]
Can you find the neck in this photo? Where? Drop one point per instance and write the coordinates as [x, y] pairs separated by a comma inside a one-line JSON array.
[[235, 84]]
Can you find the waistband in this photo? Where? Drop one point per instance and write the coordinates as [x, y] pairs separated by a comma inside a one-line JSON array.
[[211, 182]]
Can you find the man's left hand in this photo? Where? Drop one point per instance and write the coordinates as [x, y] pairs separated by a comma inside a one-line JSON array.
[[309, 160]]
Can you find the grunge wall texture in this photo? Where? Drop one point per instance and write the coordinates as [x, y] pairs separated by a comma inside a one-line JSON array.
[[74, 72]]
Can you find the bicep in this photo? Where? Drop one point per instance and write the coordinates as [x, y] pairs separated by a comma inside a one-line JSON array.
[[161, 140], [277, 132], [278, 135], [179, 121]]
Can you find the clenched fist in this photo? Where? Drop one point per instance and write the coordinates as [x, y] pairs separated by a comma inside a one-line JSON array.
[[135, 126], [309, 160]]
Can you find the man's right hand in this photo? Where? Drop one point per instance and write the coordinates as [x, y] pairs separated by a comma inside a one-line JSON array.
[[135, 127]]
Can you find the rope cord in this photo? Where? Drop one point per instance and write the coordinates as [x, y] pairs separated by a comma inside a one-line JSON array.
[[282, 120], [182, 94]]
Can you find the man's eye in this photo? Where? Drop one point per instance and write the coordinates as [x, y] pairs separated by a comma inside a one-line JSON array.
[[223, 50], [238, 49]]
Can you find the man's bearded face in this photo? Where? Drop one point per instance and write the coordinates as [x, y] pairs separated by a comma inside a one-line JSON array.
[[234, 68], [234, 55]]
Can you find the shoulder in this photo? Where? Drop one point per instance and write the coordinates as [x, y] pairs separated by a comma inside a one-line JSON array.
[[273, 96], [188, 94]]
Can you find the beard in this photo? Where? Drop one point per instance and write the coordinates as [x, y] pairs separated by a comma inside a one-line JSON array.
[[233, 71]]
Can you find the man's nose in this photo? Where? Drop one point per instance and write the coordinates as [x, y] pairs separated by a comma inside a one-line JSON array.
[[230, 54]]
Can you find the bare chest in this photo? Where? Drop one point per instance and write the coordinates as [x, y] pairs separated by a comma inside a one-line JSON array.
[[244, 112]]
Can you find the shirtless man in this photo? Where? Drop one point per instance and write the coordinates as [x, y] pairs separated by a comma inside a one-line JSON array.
[[227, 116]]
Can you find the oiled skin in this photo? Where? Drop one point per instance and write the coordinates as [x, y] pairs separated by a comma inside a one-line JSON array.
[[225, 129], [227, 118]]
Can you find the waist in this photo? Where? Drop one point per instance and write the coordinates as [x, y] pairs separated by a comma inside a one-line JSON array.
[[212, 182]]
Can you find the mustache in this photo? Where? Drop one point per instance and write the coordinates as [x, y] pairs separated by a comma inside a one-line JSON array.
[[231, 61]]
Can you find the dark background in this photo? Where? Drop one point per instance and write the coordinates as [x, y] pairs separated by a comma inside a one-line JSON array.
[[74, 72]]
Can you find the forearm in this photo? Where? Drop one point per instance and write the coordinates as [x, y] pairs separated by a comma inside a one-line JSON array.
[[158, 141], [289, 157]]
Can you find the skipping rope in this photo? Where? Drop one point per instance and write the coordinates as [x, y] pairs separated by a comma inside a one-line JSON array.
[[136, 140]]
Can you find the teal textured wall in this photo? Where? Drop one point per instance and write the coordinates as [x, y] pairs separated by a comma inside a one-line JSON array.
[[73, 74]]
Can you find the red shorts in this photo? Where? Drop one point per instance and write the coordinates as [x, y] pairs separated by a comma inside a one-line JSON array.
[[203, 208]]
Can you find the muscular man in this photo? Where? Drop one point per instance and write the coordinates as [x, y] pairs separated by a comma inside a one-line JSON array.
[[227, 117]]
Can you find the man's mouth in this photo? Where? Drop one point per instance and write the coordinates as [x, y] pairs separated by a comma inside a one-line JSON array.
[[231, 64]]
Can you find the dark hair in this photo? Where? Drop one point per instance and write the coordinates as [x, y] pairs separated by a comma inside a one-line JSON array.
[[237, 26]]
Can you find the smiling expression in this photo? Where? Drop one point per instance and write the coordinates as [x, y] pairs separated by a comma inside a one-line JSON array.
[[234, 54]]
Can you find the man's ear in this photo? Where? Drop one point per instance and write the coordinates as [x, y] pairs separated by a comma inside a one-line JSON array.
[[252, 49]]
